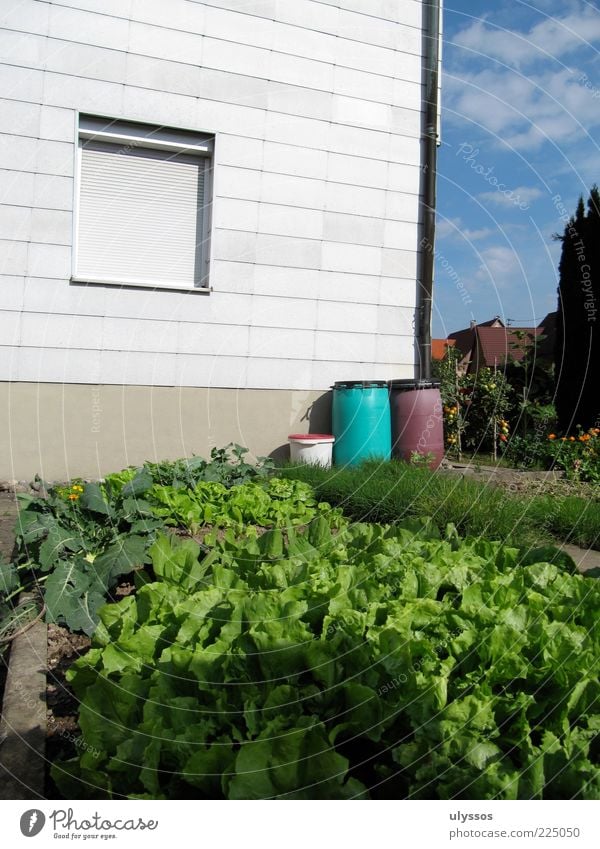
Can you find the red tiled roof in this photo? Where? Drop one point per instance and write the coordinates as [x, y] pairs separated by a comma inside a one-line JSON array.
[[497, 344], [439, 348], [463, 339]]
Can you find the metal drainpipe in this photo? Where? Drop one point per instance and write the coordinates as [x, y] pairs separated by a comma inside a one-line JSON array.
[[430, 139]]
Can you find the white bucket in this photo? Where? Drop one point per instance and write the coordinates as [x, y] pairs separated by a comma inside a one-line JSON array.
[[313, 448]]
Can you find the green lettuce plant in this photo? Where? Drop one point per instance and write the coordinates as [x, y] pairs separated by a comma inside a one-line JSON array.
[[374, 661]]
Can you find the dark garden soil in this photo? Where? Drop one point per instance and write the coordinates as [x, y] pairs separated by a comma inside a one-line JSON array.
[[8, 515], [63, 734]]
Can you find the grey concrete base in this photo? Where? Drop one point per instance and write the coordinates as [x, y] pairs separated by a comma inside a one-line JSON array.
[[23, 721], [62, 431]]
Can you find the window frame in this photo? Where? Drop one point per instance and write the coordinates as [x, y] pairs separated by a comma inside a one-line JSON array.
[[151, 137]]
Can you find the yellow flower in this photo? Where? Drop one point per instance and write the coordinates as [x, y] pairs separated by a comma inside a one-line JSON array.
[[73, 497]]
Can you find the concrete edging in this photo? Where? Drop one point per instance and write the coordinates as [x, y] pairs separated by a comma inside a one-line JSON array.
[[23, 719]]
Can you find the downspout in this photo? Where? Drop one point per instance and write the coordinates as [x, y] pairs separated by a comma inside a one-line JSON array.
[[430, 142]]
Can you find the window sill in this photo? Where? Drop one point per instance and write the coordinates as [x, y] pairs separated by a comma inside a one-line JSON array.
[[139, 284]]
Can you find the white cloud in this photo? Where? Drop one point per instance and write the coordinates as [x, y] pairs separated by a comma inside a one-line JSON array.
[[453, 229], [529, 95], [500, 266], [476, 235], [523, 112], [521, 194], [553, 37], [447, 227]]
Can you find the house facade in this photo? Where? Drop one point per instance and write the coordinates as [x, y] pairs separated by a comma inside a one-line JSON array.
[[209, 212], [492, 344]]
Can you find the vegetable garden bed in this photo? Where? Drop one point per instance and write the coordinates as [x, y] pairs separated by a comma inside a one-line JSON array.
[[265, 646]]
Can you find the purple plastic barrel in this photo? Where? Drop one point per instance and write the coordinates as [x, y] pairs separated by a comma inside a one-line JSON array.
[[417, 419]]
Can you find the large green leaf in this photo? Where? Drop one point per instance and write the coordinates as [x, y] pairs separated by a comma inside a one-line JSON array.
[[92, 498], [141, 483], [9, 579], [73, 596], [125, 555]]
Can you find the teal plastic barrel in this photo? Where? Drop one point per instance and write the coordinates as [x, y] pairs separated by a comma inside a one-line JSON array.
[[361, 421]]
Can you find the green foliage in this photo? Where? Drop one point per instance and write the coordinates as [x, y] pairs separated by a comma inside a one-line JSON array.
[[475, 405], [487, 397], [389, 492], [270, 503], [531, 377], [87, 536], [421, 461], [380, 661], [227, 466], [527, 452], [82, 536], [579, 455], [578, 344]]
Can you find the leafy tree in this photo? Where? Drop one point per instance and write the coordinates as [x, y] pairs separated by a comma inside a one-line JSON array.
[[532, 380], [578, 324]]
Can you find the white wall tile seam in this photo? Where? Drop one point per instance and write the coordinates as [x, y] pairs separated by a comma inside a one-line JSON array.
[[388, 161], [49, 39], [418, 29], [37, 206], [369, 218], [330, 65], [318, 179], [336, 6], [381, 276], [273, 112], [329, 241], [154, 353], [320, 150], [244, 167], [221, 290], [241, 327], [333, 35], [299, 387], [27, 239]]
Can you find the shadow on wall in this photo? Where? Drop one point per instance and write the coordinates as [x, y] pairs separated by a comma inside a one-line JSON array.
[[316, 418]]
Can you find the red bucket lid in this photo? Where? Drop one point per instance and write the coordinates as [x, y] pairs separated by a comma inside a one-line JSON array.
[[310, 436]]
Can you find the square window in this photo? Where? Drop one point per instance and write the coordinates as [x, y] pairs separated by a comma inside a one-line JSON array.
[[143, 204]]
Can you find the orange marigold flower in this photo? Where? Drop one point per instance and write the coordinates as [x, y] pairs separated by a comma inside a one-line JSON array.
[[571, 439], [73, 497], [552, 436]]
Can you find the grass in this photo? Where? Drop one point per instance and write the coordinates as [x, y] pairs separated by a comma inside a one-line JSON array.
[[387, 492]]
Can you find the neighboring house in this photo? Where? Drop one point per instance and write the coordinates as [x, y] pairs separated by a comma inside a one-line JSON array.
[[209, 213], [439, 348], [491, 344]]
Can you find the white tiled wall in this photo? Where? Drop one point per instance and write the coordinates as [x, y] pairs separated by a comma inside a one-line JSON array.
[[316, 110]]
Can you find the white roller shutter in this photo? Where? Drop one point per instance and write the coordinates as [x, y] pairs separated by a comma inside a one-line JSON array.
[[140, 215]]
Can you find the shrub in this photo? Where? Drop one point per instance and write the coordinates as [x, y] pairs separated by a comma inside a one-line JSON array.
[[579, 455]]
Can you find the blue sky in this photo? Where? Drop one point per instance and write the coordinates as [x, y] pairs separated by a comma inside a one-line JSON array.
[[520, 125]]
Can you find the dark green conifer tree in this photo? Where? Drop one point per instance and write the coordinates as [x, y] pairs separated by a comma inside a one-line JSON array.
[[577, 353]]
